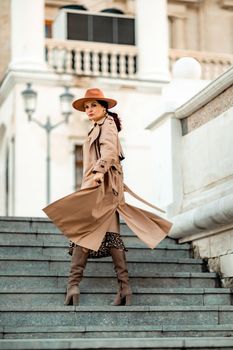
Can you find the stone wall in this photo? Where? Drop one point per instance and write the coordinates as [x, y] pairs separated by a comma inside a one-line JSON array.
[[211, 110], [218, 249], [206, 213], [200, 25], [52, 6], [207, 162]]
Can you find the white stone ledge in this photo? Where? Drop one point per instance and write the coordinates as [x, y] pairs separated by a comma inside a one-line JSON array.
[[207, 94], [14, 77], [203, 219]]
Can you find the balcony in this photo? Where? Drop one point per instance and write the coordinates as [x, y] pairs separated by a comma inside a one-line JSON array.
[[120, 61], [91, 59]]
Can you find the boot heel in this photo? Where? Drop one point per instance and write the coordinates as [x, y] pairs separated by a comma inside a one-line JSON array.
[[76, 299], [128, 299], [67, 301]]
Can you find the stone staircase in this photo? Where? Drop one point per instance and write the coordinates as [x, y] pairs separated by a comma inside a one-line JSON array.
[[177, 303]]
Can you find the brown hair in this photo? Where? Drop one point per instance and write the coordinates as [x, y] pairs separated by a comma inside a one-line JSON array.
[[112, 114]]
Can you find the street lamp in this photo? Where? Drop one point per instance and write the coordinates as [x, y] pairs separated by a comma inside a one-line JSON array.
[[30, 98], [65, 100]]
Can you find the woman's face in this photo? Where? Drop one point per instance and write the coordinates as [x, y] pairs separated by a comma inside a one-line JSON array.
[[94, 110]]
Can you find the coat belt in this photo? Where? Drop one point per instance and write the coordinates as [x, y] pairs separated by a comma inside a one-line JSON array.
[[127, 189]]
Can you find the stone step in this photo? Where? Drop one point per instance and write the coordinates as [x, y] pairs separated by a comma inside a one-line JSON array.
[[31, 248], [29, 315], [60, 240], [48, 279], [159, 331], [102, 266], [181, 343], [39, 225], [105, 295]]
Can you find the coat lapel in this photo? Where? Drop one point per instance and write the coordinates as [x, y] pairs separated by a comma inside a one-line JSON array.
[[95, 132]]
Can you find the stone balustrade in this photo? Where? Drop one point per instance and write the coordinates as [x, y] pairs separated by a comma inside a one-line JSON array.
[[120, 61], [213, 64], [91, 59]]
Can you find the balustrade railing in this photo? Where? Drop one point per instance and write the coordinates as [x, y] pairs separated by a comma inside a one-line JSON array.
[[120, 61], [94, 59], [212, 63]]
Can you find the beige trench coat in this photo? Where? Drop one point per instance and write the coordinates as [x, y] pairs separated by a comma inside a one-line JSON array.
[[86, 215]]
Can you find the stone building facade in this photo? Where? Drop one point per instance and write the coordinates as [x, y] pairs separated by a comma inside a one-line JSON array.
[[172, 122], [195, 28]]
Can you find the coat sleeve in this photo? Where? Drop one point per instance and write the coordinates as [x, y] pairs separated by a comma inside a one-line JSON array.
[[108, 146]]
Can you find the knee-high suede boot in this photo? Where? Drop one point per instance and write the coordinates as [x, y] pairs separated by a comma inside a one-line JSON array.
[[124, 294], [78, 264]]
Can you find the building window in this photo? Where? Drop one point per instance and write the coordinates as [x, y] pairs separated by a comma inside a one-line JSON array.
[[78, 166], [48, 28], [105, 27]]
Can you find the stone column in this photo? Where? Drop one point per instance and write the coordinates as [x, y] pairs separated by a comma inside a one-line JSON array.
[[179, 37], [27, 35], [152, 39]]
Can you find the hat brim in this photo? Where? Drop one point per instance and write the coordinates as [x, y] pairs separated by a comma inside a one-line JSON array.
[[79, 104]]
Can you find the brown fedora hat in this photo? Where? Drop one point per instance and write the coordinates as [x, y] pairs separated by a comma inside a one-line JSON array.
[[93, 94]]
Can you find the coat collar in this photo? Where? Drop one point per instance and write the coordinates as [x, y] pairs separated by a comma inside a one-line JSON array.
[[101, 121], [95, 131]]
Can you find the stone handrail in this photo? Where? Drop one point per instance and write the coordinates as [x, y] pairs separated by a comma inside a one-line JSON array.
[[91, 59], [213, 64], [207, 217]]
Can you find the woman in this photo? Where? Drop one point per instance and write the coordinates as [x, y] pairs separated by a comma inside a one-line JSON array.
[[90, 217]]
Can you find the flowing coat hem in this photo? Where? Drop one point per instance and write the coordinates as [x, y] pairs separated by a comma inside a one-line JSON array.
[[84, 216]]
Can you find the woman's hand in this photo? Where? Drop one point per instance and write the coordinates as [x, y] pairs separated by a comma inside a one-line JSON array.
[[98, 178]]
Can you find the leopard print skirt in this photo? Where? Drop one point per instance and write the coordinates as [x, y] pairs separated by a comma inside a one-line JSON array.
[[111, 240]]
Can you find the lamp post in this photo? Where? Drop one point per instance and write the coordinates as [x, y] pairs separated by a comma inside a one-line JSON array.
[[30, 99]]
